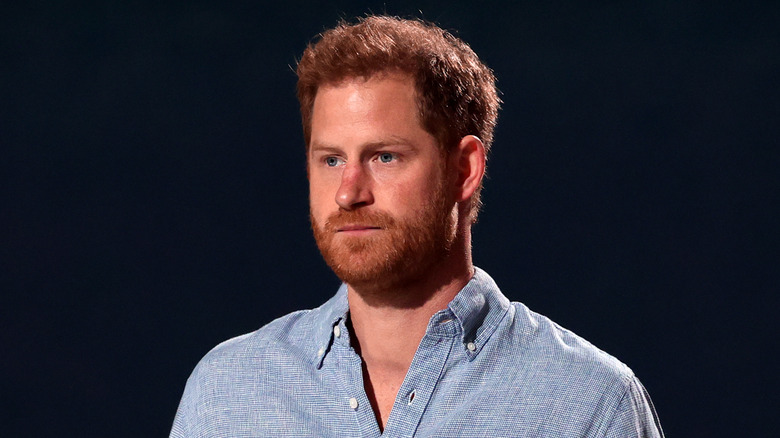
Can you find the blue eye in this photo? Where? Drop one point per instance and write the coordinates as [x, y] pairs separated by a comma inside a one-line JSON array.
[[386, 157], [332, 161]]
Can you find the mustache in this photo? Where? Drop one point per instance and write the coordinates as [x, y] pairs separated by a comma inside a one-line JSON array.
[[343, 218]]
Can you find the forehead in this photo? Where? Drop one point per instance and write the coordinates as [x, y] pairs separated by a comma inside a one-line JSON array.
[[378, 91], [380, 105], [390, 76]]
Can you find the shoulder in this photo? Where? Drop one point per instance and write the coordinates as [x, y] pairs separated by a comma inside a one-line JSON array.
[[286, 330], [292, 336], [242, 373], [535, 347], [552, 369], [590, 385], [560, 355]]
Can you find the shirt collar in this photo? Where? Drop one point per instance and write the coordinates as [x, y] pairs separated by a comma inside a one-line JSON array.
[[474, 314], [478, 309], [331, 314]]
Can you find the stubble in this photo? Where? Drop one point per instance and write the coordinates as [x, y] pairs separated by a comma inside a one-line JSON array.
[[402, 251]]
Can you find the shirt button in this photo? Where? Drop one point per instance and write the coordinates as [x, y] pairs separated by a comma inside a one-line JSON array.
[[353, 403], [321, 351], [337, 331], [471, 346]]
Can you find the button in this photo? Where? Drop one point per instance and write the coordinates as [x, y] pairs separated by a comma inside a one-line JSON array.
[[353, 403], [321, 351], [337, 331], [471, 346]]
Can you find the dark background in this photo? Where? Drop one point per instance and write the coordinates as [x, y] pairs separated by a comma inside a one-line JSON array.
[[154, 200]]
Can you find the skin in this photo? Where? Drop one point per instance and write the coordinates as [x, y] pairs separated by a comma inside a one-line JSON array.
[[369, 152]]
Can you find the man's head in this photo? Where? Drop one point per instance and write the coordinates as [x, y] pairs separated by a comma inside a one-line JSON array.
[[394, 113], [383, 204], [456, 92]]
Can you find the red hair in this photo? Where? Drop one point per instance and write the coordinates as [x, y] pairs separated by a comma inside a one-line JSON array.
[[456, 92]]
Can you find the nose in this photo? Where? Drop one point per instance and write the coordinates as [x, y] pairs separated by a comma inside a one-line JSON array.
[[355, 188]]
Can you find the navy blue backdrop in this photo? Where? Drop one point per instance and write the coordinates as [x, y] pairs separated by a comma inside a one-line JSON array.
[[153, 199]]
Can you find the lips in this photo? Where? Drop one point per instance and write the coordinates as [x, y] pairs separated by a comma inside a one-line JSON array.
[[357, 227], [357, 222]]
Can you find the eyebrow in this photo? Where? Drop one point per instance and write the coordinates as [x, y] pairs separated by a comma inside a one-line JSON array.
[[317, 147], [390, 141]]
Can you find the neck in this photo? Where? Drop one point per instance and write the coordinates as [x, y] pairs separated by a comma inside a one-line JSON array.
[[389, 322], [388, 331]]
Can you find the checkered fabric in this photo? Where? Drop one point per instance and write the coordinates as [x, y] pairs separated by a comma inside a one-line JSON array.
[[485, 368]]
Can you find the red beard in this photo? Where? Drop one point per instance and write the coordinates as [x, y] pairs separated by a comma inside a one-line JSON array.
[[402, 251]]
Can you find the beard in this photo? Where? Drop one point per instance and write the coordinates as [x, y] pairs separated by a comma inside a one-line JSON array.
[[401, 252]]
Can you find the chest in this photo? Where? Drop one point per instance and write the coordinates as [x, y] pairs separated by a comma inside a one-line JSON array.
[[443, 394]]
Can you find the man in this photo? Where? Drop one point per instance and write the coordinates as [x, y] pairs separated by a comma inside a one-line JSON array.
[[398, 117]]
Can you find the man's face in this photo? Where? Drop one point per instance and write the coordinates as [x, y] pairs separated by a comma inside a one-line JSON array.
[[380, 207]]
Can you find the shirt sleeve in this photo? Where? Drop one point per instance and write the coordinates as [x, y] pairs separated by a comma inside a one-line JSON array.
[[184, 415], [635, 417]]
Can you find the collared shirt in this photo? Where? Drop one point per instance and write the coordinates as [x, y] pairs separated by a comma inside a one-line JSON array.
[[485, 368]]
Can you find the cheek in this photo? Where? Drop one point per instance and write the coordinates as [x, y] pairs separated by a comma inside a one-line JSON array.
[[321, 187], [410, 196], [316, 201]]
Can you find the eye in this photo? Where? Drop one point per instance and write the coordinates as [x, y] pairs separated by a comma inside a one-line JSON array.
[[332, 161], [386, 157]]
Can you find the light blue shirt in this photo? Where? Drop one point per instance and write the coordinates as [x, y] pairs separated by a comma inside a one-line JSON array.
[[485, 368]]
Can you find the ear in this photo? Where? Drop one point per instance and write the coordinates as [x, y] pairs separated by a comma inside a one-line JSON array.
[[469, 160]]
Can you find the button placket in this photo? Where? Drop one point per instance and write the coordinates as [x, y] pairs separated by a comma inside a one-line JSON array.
[[353, 402], [421, 380]]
